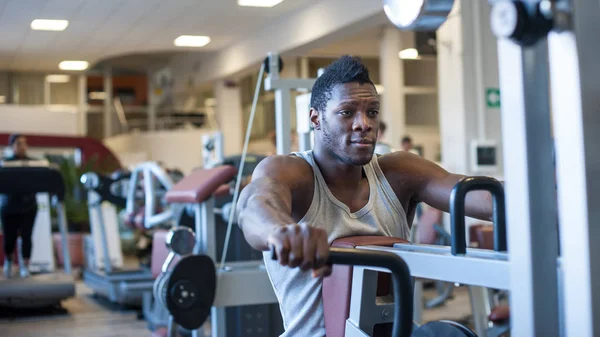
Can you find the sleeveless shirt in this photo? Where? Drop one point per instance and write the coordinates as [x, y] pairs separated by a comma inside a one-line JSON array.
[[298, 293]]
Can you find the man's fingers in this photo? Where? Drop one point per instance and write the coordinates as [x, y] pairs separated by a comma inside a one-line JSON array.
[[322, 272], [297, 248], [310, 250], [322, 251]]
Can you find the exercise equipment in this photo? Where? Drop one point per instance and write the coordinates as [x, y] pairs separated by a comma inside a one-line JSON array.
[[200, 189], [117, 283], [547, 53], [44, 289], [354, 299]]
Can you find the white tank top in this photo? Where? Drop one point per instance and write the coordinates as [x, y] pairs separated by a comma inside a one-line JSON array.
[[298, 293]]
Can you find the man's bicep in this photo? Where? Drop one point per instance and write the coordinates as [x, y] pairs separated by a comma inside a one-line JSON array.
[[434, 184]]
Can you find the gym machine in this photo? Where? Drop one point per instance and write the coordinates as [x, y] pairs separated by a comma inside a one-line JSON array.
[[44, 289], [199, 190], [119, 284], [282, 88]]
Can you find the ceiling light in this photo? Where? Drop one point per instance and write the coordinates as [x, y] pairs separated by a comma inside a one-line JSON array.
[[417, 14], [73, 65], [192, 41], [58, 78], [52, 25], [259, 3], [409, 54]]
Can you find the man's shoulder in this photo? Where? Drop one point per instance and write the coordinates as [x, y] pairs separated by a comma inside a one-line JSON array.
[[285, 167]]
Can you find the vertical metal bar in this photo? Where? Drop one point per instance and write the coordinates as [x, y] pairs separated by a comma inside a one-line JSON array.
[[208, 219], [151, 103], [283, 121], [531, 204], [481, 308], [82, 103], [62, 225], [575, 72], [105, 251], [218, 322], [149, 195], [200, 246]]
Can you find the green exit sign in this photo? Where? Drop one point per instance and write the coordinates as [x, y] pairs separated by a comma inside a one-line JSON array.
[[492, 97]]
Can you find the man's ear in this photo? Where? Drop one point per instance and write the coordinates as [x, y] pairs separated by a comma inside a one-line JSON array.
[[314, 119]]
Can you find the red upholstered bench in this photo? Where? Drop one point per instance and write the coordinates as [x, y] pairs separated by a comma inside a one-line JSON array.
[[337, 287], [200, 185]]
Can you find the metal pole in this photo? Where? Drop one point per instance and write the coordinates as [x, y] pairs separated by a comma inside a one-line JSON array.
[[575, 72], [530, 195], [283, 121], [108, 90]]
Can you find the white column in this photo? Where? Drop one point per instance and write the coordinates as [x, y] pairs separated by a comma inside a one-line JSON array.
[[82, 104], [304, 68], [151, 103], [467, 68], [391, 70], [108, 103], [230, 116]]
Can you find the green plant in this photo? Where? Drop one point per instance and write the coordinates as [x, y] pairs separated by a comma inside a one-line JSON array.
[[76, 207]]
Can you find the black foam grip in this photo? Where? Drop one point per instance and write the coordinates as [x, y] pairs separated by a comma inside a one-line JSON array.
[[457, 212]]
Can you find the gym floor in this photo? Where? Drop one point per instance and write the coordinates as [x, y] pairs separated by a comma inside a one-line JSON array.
[[86, 316]]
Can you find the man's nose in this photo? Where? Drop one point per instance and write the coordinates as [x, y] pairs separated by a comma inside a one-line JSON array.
[[362, 122]]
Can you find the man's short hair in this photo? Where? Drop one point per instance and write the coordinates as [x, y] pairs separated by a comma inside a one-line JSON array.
[[382, 126], [406, 139], [13, 138], [346, 69]]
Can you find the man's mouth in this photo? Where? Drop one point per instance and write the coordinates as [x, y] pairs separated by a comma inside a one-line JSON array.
[[363, 142]]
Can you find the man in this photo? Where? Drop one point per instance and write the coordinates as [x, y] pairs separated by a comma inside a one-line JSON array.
[[407, 145], [382, 147], [17, 213], [301, 202]]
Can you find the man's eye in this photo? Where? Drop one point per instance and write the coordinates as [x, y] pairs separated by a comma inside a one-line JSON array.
[[374, 112], [344, 112]]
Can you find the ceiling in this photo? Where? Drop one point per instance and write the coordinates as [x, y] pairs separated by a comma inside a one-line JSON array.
[[105, 29]]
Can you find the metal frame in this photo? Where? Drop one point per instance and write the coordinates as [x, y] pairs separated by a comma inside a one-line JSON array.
[[574, 69], [233, 279], [149, 170], [283, 101]]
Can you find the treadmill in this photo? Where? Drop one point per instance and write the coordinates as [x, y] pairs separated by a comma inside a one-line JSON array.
[[47, 289], [122, 286]]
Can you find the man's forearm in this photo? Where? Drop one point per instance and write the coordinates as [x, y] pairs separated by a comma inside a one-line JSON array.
[[262, 208]]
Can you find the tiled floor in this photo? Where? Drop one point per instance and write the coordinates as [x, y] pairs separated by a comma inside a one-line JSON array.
[[87, 318]]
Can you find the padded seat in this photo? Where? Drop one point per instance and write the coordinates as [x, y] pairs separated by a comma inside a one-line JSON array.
[[337, 287], [500, 314], [200, 185]]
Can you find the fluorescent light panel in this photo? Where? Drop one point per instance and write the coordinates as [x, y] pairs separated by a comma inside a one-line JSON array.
[[192, 41], [58, 78], [259, 3], [408, 54], [73, 65], [51, 25]]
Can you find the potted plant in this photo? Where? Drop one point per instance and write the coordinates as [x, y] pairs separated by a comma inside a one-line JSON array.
[[76, 210]]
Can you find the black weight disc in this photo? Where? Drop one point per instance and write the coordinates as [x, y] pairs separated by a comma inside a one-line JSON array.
[[192, 274], [442, 328]]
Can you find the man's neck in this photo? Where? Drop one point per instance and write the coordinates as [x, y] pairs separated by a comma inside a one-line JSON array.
[[335, 172]]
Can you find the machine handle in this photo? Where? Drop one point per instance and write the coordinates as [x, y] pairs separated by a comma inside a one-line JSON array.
[[401, 280], [457, 211]]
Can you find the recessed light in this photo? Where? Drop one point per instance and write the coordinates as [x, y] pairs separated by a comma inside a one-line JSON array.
[[191, 41], [259, 3], [58, 78], [408, 54], [73, 65], [52, 25]]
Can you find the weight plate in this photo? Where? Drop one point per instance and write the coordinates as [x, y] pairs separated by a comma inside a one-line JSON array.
[[197, 274]]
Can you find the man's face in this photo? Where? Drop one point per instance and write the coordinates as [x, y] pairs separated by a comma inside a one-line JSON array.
[[349, 125], [406, 146], [19, 147]]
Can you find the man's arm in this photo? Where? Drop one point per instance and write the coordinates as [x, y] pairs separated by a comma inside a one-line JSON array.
[[433, 185], [265, 215]]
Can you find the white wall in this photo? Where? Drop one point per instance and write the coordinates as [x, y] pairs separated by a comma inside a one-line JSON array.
[[467, 65], [38, 119], [180, 149]]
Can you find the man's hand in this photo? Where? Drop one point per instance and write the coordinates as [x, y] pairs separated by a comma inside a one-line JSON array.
[[301, 246]]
